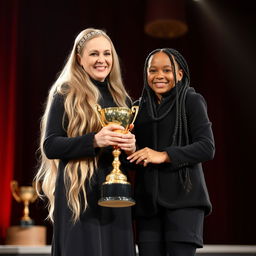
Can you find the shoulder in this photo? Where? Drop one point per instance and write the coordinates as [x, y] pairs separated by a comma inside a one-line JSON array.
[[195, 102], [57, 101], [194, 98], [58, 98]]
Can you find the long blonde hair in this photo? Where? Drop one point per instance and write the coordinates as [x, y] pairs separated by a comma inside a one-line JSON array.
[[80, 96]]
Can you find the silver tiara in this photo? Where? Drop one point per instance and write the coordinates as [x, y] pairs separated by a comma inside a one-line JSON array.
[[86, 37]]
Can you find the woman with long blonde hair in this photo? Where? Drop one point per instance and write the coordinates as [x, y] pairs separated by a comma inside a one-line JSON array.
[[76, 153]]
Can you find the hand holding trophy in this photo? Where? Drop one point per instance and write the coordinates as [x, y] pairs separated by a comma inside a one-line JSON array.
[[116, 190]]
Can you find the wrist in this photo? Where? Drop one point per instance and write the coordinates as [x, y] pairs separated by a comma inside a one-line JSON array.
[[95, 144], [166, 157]]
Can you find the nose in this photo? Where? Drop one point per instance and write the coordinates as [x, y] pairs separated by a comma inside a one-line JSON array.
[[159, 76], [101, 58]]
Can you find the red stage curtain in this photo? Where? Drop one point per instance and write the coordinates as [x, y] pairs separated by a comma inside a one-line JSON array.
[[8, 53]]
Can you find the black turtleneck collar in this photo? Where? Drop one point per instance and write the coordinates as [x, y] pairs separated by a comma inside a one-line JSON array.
[[159, 110], [165, 96], [106, 99], [99, 83], [171, 92]]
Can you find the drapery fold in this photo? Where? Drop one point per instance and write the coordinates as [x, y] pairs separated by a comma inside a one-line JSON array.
[[8, 81]]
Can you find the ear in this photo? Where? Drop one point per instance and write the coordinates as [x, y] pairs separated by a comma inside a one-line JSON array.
[[180, 75], [78, 57]]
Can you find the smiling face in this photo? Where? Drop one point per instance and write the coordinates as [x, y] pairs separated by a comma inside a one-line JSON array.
[[160, 74], [96, 58]]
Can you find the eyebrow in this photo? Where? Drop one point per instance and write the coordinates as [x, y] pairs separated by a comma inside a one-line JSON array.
[[165, 66], [95, 50]]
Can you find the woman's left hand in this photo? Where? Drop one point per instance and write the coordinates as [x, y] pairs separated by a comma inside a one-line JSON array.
[[148, 155]]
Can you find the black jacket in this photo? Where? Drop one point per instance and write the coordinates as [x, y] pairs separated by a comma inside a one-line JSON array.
[[161, 184]]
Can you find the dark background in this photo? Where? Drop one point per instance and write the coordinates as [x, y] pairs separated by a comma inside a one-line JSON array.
[[220, 50]]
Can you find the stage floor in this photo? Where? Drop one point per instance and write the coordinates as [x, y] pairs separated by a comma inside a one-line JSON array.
[[208, 250]]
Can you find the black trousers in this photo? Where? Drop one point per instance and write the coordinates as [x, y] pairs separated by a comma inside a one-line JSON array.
[[166, 249], [177, 232]]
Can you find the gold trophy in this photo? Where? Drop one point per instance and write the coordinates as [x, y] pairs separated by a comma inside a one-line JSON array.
[[26, 234], [116, 190], [27, 195]]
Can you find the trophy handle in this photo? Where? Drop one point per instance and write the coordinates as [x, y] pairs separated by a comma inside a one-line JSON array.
[[98, 111], [135, 110], [14, 189]]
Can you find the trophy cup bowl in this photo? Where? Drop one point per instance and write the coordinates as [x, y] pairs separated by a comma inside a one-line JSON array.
[[116, 190], [27, 195]]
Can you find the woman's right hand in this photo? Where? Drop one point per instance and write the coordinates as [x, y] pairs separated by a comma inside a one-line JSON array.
[[108, 136]]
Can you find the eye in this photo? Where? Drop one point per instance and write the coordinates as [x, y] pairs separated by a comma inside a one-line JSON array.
[[151, 70], [94, 54], [167, 70], [107, 53]]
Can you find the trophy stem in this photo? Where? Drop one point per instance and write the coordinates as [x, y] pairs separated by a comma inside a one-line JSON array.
[[116, 190], [26, 212], [26, 220], [116, 175]]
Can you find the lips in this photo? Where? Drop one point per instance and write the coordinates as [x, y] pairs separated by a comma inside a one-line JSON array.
[[100, 68], [160, 84]]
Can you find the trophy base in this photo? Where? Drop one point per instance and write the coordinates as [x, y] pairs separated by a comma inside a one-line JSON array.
[[116, 195], [116, 202], [31, 236], [26, 223]]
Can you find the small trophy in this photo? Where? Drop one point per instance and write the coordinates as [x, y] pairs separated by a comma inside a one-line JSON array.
[[27, 195], [116, 190]]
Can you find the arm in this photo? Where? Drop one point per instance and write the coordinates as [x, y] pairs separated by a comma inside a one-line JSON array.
[[201, 147], [57, 145]]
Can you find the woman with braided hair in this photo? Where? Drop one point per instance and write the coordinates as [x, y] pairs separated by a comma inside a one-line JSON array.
[[76, 152], [173, 136]]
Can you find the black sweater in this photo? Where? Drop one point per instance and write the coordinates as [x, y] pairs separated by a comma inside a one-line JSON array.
[[161, 184]]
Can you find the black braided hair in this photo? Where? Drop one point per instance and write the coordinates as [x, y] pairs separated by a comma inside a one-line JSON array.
[[181, 128]]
